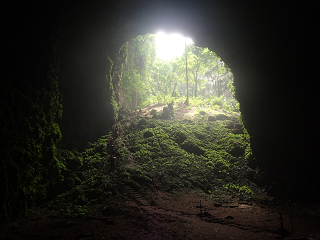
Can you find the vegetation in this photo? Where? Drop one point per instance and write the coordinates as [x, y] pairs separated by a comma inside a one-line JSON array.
[[191, 152], [86, 185], [195, 150], [202, 145], [144, 79], [205, 149]]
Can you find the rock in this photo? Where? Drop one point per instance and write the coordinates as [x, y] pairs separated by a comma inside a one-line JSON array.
[[238, 129], [180, 137], [237, 151], [120, 117], [156, 116], [142, 122], [211, 118], [166, 113], [153, 112], [222, 117], [192, 148], [147, 134]]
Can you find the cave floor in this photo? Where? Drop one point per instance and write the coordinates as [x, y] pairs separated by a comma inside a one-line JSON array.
[[187, 214], [175, 216]]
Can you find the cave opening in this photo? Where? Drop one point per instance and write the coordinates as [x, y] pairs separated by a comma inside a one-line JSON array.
[[161, 69], [162, 138]]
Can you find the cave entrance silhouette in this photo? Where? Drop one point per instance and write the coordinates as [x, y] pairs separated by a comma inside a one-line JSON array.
[[246, 36]]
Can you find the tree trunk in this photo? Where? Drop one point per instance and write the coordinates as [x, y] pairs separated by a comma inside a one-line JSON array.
[[196, 87], [174, 89], [185, 44]]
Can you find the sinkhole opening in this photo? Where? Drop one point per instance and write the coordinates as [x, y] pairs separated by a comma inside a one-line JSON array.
[[169, 68]]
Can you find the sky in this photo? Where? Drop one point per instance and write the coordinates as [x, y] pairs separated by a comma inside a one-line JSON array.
[[170, 45]]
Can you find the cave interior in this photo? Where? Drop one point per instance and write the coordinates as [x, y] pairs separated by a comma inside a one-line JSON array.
[[269, 47]]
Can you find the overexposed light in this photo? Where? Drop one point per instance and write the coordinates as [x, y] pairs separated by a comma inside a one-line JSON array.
[[171, 45]]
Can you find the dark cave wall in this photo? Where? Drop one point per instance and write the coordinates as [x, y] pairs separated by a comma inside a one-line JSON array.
[[88, 113], [30, 104]]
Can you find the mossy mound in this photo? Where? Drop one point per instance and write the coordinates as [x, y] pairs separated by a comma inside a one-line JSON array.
[[147, 134], [195, 153], [142, 122], [153, 112], [88, 186], [162, 154]]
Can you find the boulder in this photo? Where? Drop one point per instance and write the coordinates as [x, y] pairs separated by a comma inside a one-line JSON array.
[[147, 134], [142, 122], [222, 117], [237, 151], [211, 118], [166, 113], [153, 112]]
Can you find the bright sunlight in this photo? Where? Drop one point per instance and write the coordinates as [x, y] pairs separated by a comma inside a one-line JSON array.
[[170, 45]]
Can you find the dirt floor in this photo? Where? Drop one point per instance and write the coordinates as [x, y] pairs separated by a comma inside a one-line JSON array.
[[187, 215]]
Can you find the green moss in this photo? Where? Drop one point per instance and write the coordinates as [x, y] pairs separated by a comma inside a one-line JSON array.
[[169, 155], [178, 152]]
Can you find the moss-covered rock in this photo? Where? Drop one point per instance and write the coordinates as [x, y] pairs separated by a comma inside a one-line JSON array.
[[142, 122], [222, 117], [147, 134], [167, 113], [180, 136], [237, 151], [153, 112], [192, 147], [211, 118]]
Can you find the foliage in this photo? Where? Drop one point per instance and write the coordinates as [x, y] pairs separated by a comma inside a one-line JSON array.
[[86, 186], [144, 79], [134, 60], [167, 155], [115, 108], [193, 152]]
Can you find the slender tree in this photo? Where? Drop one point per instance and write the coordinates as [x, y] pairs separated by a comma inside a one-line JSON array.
[[186, 52], [200, 60]]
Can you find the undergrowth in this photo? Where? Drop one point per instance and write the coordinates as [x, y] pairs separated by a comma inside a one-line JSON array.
[[193, 153], [208, 152]]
